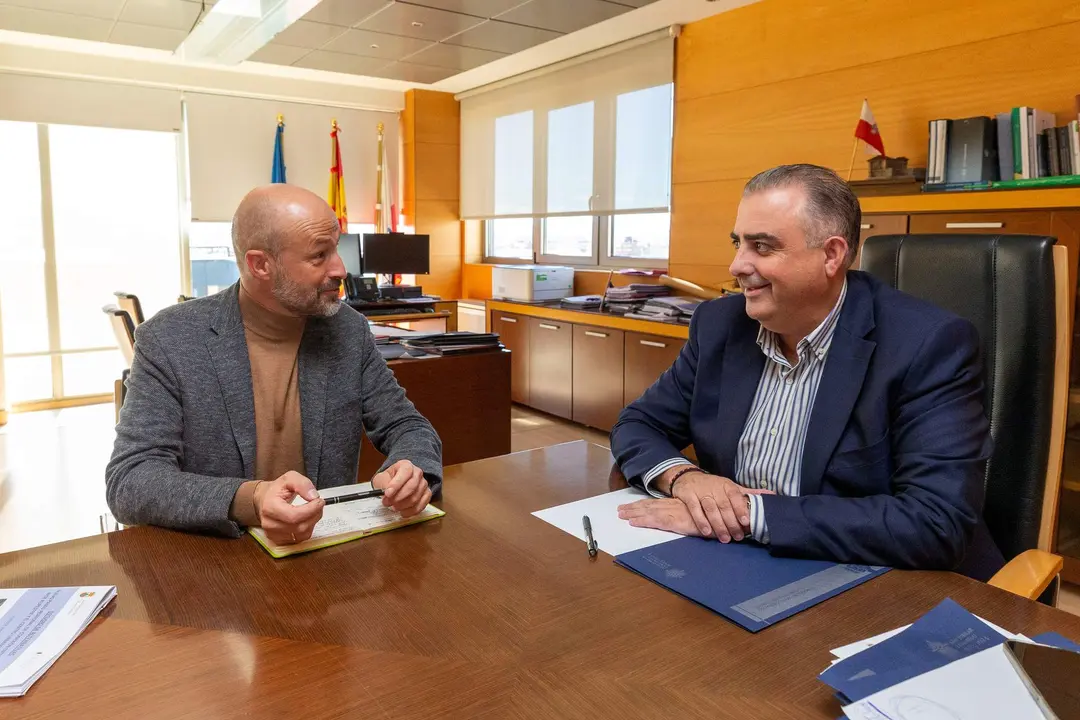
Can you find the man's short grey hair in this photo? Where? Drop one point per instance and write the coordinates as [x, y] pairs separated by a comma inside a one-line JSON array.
[[831, 206]]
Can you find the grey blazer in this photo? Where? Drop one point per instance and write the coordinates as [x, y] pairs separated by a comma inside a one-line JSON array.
[[186, 437]]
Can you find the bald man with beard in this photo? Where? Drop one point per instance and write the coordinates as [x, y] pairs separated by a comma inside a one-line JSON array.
[[241, 401]]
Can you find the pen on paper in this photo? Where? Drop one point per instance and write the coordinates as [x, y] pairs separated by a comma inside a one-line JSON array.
[[362, 495], [590, 541]]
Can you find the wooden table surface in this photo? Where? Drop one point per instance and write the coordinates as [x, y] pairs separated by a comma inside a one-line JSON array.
[[486, 613]]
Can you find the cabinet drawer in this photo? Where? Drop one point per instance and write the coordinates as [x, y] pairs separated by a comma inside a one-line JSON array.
[[598, 376], [513, 331], [551, 366], [1024, 222], [645, 360]]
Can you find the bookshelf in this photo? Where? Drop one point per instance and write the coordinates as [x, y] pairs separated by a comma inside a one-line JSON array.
[[970, 201]]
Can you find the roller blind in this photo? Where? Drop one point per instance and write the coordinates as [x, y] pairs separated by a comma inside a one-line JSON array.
[[64, 101], [591, 137], [231, 144]]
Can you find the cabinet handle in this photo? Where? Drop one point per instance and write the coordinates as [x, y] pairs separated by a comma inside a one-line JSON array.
[[509, 320], [974, 225], [590, 333], [866, 226], [650, 343], [545, 326]]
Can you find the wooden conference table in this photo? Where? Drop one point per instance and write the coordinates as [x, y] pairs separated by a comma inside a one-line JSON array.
[[486, 613]]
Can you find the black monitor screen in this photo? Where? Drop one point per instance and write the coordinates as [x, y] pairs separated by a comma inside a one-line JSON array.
[[349, 249], [395, 253]]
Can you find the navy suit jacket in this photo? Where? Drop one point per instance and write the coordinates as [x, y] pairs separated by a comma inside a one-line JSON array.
[[895, 458]]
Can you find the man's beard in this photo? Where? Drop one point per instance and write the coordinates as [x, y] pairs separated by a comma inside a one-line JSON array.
[[300, 299]]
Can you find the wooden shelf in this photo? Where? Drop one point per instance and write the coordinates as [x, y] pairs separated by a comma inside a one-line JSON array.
[[1011, 199], [616, 322]]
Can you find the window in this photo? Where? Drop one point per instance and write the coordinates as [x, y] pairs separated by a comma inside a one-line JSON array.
[[113, 200], [510, 238], [572, 165]]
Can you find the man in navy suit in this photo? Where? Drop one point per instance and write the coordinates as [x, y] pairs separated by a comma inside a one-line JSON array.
[[832, 416]]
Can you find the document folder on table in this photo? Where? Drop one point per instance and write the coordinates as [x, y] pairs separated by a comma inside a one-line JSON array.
[[742, 581]]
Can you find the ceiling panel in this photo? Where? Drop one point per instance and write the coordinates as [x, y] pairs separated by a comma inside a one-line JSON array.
[[479, 8], [53, 23], [502, 37], [305, 34], [413, 72], [379, 45], [341, 62], [345, 12], [418, 22], [454, 57], [175, 14], [278, 54], [563, 15], [147, 36], [103, 9]]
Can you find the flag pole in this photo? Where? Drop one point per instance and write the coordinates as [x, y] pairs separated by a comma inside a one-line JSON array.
[[851, 167]]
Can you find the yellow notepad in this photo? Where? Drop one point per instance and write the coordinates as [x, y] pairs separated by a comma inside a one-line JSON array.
[[345, 522]]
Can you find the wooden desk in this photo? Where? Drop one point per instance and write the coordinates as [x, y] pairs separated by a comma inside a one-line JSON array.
[[487, 612], [466, 398]]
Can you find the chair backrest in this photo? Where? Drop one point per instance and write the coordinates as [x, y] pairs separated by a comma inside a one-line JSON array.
[[1005, 285], [123, 329], [130, 304]]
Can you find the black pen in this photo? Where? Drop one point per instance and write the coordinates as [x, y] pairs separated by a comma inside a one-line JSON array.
[[362, 495], [590, 541]]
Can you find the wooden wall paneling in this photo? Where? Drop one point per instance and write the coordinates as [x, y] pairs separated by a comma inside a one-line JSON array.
[[777, 40], [476, 281]]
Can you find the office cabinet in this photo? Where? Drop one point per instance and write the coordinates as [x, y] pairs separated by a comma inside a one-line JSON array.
[[1010, 222], [645, 359], [551, 366], [598, 376], [513, 330]]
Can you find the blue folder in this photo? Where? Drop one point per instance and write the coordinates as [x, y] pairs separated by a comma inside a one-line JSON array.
[[946, 633], [1057, 640], [742, 581]]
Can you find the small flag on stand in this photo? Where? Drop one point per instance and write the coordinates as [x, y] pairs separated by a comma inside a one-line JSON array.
[[867, 131], [336, 194], [277, 173]]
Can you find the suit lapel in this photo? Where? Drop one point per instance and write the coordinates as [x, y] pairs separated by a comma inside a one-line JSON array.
[[229, 353], [313, 377], [841, 382], [739, 377]]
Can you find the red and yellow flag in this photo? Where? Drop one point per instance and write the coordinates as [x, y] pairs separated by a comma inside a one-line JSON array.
[[336, 193]]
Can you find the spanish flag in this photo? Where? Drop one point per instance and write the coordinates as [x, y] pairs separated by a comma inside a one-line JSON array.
[[336, 193]]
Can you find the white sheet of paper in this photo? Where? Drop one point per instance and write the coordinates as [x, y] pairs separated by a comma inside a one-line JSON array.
[[983, 685], [613, 536], [355, 515]]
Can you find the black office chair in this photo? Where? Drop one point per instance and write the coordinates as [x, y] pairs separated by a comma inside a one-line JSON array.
[[130, 304], [1014, 289]]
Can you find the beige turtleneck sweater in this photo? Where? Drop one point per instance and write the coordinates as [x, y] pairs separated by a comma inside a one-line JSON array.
[[273, 343]]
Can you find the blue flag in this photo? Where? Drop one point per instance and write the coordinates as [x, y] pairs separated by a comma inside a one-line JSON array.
[[278, 172]]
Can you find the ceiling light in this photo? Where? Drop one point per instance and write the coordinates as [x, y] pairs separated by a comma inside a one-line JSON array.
[[234, 29]]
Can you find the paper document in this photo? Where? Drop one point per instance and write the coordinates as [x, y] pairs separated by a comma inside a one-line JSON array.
[[37, 625], [613, 535], [345, 521], [983, 685], [846, 651]]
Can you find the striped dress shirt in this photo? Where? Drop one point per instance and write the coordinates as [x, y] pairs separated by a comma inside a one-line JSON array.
[[771, 446]]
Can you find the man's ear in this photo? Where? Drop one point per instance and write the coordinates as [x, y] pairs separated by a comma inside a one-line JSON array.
[[836, 250], [259, 264]]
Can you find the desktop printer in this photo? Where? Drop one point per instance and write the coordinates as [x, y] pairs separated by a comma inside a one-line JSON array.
[[532, 283]]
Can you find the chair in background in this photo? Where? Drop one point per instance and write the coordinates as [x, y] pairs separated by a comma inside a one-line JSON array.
[[183, 298], [1014, 289], [123, 329], [131, 305]]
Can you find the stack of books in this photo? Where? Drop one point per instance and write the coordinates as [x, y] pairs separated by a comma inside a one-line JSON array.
[[630, 298], [950, 663], [1024, 147], [672, 309]]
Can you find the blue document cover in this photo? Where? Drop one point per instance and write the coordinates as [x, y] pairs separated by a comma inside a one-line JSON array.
[[1057, 640], [742, 581], [946, 633]]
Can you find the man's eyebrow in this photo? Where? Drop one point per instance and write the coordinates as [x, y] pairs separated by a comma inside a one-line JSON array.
[[755, 237]]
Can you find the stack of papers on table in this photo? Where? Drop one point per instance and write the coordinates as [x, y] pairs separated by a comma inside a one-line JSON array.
[[38, 625], [948, 664]]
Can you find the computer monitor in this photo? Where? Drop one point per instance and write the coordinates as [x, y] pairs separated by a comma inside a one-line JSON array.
[[349, 249], [396, 254]]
